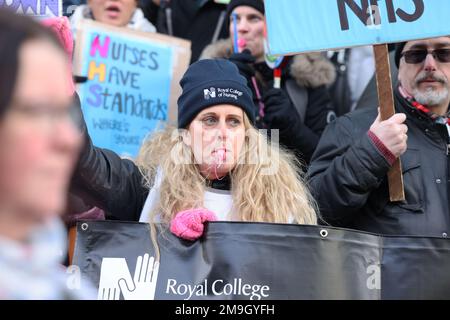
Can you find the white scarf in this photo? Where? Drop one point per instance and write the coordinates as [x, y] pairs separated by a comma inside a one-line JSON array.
[[32, 269], [218, 201]]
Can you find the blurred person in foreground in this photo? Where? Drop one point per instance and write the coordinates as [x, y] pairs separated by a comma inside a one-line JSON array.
[[40, 145]]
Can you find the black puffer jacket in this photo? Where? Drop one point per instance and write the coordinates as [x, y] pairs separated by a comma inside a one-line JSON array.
[[348, 176], [310, 74], [105, 180]]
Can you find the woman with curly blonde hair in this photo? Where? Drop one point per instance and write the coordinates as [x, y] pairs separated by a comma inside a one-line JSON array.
[[266, 188], [215, 166]]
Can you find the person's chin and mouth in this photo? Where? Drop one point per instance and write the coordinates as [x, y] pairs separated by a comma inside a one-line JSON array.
[[431, 82], [220, 153], [218, 164], [113, 14]]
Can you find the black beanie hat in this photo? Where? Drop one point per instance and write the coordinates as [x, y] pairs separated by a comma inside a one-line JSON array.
[[210, 82], [398, 51], [257, 4]]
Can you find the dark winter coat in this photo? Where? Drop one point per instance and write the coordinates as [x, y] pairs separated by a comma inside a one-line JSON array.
[[348, 176], [191, 22]]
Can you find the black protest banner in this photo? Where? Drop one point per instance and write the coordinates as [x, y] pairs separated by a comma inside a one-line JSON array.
[[257, 261]]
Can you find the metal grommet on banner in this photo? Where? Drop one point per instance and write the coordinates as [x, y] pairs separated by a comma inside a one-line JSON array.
[[84, 226], [323, 233]]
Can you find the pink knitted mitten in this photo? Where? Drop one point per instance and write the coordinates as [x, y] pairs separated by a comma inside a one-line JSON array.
[[188, 224]]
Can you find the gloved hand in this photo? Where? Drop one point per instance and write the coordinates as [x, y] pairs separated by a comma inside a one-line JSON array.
[[188, 224], [279, 111], [244, 61]]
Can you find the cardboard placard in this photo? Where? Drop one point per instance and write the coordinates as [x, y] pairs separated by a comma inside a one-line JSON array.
[[315, 25], [133, 83]]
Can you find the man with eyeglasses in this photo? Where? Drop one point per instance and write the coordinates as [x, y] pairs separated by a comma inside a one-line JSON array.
[[348, 173]]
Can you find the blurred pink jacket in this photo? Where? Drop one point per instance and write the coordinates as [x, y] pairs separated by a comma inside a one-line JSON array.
[[61, 27]]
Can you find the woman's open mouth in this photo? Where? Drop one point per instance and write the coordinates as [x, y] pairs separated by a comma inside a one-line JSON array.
[[113, 11]]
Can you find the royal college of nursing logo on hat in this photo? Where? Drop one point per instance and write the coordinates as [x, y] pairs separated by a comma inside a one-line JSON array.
[[222, 93], [209, 93]]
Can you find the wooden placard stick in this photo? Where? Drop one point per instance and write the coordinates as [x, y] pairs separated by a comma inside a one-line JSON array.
[[386, 102]]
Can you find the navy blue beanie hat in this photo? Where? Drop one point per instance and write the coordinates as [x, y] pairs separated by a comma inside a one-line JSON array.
[[256, 4], [211, 82]]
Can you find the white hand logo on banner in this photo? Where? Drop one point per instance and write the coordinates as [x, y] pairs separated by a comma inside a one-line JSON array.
[[145, 277], [111, 271], [115, 277]]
